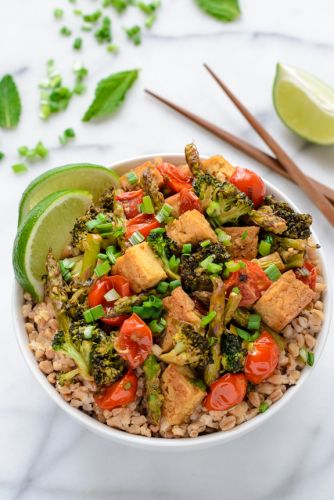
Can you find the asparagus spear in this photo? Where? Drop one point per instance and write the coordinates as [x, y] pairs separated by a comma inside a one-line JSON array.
[[151, 188], [216, 329], [92, 246], [154, 398], [193, 160], [55, 290]]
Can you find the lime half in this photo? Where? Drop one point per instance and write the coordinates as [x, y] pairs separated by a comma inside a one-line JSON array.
[[92, 178], [305, 104], [47, 225]]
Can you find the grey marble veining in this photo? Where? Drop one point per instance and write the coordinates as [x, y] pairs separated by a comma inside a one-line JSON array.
[[44, 454]]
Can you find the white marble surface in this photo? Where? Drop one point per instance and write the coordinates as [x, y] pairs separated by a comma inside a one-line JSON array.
[[44, 455]]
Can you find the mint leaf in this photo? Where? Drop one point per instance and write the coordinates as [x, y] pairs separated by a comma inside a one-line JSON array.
[[110, 93], [224, 10], [10, 103]]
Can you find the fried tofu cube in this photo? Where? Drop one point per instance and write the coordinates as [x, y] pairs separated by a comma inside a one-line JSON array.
[[175, 202], [139, 172], [244, 242], [140, 266], [283, 301], [191, 227], [181, 396], [218, 167]]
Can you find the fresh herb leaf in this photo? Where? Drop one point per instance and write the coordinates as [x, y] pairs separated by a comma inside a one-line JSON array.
[[224, 10], [19, 168], [110, 93], [58, 13], [77, 44], [65, 31], [134, 34], [68, 134], [10, 103], [103, 34], [119, 5], [92, 18]]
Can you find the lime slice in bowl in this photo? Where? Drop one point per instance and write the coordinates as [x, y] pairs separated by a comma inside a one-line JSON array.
[[47, 225], [305, 104], [86, 176]]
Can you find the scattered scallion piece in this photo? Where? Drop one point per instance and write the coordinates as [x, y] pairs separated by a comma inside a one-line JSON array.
[[19, 168], [273, 272], [111, 296], [235, 290], [232, 266], [214, 268], [93, 314], [65, 31], [186, 248], [205, 243], [158, 230], [136, 238], [111, 253], [39, 151], [174, 284], [156, 326], [303, 354], [132, 178], [105, 227], [208, 318], [80, 73], [103, 34], [134, 34], [100, 219], [244, 235], [254, 321], [174, 263], [68, 134], [102, 256], [77, 44], [102, 269], [88, 332], [2, 155], [58, 13], [249, 337], [112, 48], [147, 206], [263, 407], [65, 268], [164, 213], [93, 17], [119, 5], [264, 248], [310, 358], [162, 287]]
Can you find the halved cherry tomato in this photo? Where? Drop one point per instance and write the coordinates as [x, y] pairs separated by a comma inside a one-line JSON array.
[[174, 178], [120, 393], [262, 359], [251, 281], [134, 341], [249, 183], [100, 288], [227, 391], [189, 201], [143, 223], [130, 202], [311, 278]]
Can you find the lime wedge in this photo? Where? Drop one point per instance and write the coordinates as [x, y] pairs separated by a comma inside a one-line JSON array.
[[47, 225], [92, 178], [305, 104]]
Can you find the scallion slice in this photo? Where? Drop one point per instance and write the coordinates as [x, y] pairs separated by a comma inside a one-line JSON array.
[[254, 322], [164, 213], [147, 205], [162, 287], [223, 237], [214, 268], [156, 326], [174, 263], [273, 272], [205, 243], [102, 256], [159, 230], [132, 178], [232, 266], [186, 248], [111, 253], [105, 227], [102, 269], [235, 290], [112, 295], [174, 284], [208, 318], [136, 238], [249, 337], [264, 248], [244, 235], [310, 358], [93, 314], [263, 407]]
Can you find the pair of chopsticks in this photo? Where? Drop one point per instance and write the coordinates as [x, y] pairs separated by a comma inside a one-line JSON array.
[[321, 195]]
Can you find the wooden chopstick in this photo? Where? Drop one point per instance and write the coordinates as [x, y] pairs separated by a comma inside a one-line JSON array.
[[290, 166], [240, 144]]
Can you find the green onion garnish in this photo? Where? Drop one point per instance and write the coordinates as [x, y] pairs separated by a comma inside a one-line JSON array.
[[58, 13], [103, 34], [136, 238], [244, 235], [68, 134], [134, 34], [111, 295], [235, 290], [102, 256], [93, 314], [92, 18], [174, 263], [111, 253], [208, 260], [164, 213], [77, 44], [214, 268], [205, 243], [263, 407], [246, 335], [153, 301], [159, 230], [147, 206], [303, 354], [273, 272], [162, 287], [186, 248], [310, 358], [88, 332], [105, 227], [112, 48], [208, 318], [65, 31], [132, 178], [102, 269], [156, 326], [174, 284], [223, 237], [232, 266], [2, 155], [254, 322], [226, 273], [19, 168], [65, 268], [264, 248]]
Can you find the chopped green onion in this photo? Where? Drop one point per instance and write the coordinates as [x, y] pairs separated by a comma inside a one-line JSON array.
[[205, 243], [100, 219], [2, 155], [244, 235], [232, 266], [104, 228], [65, 31], [214, 268], [263, 407], [134, 34], [186, 248], [147, 205], [264, 248], [174, 284], [102, 256], [208, 318], [174, 263], [39, 151], [77, 44], [150, 21], [88, 332], [273, 272], [310, 358], [92, 18], [93, 314], [226, 273], [162, 287], [65, 269], [246, 335], [303, 354], [153, 301], [103, 34], [213, 208], [23, 150], [58, 13], [77, 12], [19, 168], [68, 134], [164, 213], [208, 260], [156, 326], [102, 269], [111, 253], [223, 237], [136, 238], [132, 178], [235, 290], [112, 48], [269, 239], [242, 264], [158, 230], [254, 321], [111, 295]]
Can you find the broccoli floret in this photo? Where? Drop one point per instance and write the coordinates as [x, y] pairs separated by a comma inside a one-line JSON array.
[[106, 365], [160, 243], [191, 347], [193, 276], [233, 354], [79, 352], [291, 250], [107, 200], [298, 225], [80, 231], [223, 202], [269, 220]]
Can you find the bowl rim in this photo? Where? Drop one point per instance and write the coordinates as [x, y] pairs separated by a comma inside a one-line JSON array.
[[159, 443]]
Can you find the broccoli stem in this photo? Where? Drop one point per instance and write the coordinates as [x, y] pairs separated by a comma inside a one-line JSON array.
[[232, 305], [216, 329], [55, 285], [92, 246], [154, 398]]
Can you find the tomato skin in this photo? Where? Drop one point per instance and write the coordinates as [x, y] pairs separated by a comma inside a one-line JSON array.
[[100, 287], [174, 178], [130, 202], [119, 393], [311, 279], [262, 360], [251, 281], [143, 223], [189, 201], [249, 183], [134, 341], [229, 390]]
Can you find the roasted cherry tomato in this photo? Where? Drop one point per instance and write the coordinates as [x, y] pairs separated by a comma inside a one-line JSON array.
[[251, 281], [262, 359], [311, 278], [130, 202], [189, 201], [227, 391], [120, 393], [100, 288], [174, 178], [249, 183], [134, 341], [143, 223]]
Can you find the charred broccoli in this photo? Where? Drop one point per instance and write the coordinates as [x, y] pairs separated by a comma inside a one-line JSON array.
[[80, 230], [223, 202], [160, 243], [233, 354], [193, 275], [191, 347], [298, 225], [107, 199], [267, 218], [291, 250], [106, 365]]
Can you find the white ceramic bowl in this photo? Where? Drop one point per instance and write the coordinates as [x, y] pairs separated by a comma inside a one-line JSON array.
[[161, 443]]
